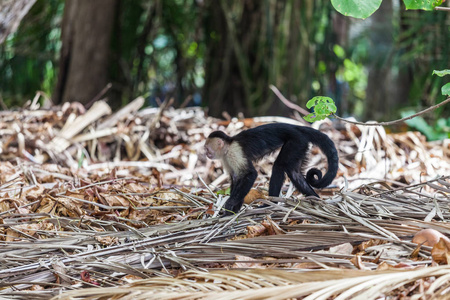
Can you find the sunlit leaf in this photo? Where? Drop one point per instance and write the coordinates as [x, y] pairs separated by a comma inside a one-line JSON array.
[[446, 89], [422, 4], [441, 73], [323, 107], [356, 8]]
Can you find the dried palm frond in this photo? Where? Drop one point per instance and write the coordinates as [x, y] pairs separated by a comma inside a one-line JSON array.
[[274, 284]]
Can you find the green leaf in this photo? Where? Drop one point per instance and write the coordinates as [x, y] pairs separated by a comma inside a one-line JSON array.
[[332, 107], [435, 132], [310, 118], [313, 118], [356, 8], [446, 89], [323, 107], [311, 103], [422, 4], [441, 73], [320, 109]]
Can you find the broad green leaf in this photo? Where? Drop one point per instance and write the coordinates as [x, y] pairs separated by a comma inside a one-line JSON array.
[[422, 4], [441, 73], [446, 89], [356, 8]]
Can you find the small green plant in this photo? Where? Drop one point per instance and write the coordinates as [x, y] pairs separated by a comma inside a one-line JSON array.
[[440, 131], [323, 107]]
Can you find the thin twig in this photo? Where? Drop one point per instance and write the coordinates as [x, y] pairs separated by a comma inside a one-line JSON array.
[[372, 123], [442, 8], [99, 95], [287, 102]]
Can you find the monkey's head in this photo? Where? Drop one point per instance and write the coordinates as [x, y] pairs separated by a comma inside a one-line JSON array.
[[216, 145]]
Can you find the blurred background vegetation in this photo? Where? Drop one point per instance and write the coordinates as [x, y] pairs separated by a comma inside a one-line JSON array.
[[223, 54]]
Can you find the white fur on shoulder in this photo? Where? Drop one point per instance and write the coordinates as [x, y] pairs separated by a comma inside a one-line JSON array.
[[235, 161]]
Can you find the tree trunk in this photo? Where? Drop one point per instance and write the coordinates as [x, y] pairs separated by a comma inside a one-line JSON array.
[[224, 85], [85, 54], [254, 43]]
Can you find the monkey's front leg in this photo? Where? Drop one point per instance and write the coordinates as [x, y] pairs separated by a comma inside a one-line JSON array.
[[240, 187]]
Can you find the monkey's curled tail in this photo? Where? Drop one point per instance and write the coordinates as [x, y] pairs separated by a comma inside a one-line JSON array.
[[326, 145]]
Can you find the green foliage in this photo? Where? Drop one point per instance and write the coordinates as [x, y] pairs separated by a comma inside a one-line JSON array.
[[351, 72], [423, 45], [160, 46], [28, 57], [441, 73], [446, 88], [364, 8], [339, 51], [323, 107], [440, 131], [422, 4], [356, 8]]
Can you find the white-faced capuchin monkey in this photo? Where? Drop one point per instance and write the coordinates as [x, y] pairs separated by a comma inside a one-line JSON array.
[[238, 152]]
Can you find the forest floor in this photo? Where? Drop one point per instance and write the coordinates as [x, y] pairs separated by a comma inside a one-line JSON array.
[[124, 205]]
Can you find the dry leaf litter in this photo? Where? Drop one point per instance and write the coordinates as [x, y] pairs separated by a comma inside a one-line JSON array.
[[124, 205]]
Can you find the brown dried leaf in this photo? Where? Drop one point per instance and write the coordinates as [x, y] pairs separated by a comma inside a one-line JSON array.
[[385, 266], [129, 279], [253, 195], [115, 200], [366, 244], [256, 230], [357, 262], [306, 265], [272, 227], [245, 264], [11, 235], [441, 252], [429, 237], [107, 240]]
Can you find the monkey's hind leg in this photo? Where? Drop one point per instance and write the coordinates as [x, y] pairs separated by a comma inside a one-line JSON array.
[[300, 183], [276, 179], [290, 160]]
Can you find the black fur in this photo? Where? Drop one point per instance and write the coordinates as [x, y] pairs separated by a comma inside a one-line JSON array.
[[222, 135], [294, 142]]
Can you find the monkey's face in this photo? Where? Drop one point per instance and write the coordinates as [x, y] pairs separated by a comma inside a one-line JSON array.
[[214, 148]]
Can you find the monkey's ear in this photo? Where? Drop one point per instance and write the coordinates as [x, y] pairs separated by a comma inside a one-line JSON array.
[[220, 143]]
